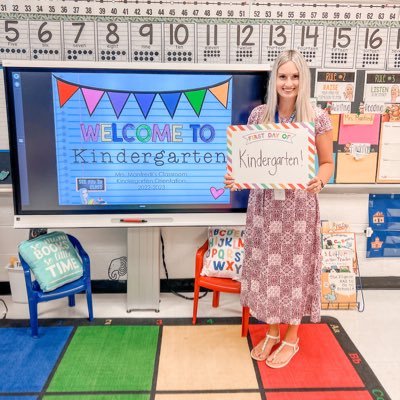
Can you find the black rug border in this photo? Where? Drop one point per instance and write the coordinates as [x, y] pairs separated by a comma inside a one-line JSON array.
[[364, 371]]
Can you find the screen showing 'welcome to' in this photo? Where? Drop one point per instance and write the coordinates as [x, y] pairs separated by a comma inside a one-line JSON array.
[[134, 140]]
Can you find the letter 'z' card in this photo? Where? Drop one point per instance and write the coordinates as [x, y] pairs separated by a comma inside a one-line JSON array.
[[271, 156]]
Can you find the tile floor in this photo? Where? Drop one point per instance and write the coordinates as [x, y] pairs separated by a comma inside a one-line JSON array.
[[374, 331]]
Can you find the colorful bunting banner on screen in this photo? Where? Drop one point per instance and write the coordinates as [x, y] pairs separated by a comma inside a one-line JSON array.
[[118, 98]]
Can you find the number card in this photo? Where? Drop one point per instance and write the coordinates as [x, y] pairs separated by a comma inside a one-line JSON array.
[[244, 44], [309, 41], [45, 40], [271, 156], [179, 43], [212, 43], [382, 87], [14, 40], [112, 41], [79, 41], [275, 39], [146, 42], [371, 48], [340, 47], [393, 57], [335, 85]]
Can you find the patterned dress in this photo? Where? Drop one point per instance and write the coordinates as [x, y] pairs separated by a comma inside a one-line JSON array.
[[282, 265]]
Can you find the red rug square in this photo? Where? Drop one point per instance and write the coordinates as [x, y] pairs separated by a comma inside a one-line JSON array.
[[320, 363], [345, 395]]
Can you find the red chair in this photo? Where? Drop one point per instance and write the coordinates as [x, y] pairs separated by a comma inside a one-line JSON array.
[[217, 285]]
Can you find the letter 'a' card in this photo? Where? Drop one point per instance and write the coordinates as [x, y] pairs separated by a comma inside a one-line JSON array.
[[271, 156]]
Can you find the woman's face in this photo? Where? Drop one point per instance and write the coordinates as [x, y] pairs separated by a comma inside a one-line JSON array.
[[287, 82]]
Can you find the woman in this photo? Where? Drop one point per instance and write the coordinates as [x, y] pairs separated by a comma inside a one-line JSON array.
[[282, 265]]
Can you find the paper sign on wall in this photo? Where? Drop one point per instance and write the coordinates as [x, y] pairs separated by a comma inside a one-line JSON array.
[[271, 156]]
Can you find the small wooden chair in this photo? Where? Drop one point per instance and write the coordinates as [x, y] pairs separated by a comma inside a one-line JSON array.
[[217, 285]]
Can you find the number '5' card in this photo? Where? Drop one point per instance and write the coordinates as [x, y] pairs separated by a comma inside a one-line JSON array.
[[271, 156]]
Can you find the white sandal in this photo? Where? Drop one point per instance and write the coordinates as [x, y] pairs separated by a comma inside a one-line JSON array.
[[267, 338], [295, 349]]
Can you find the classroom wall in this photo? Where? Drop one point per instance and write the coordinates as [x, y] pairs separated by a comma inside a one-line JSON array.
[[106, 246]]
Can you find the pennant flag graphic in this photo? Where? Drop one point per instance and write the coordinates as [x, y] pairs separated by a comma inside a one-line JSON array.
[[196, 99], [145, 101], [92, 98], [171, 101], [118, 101], [221, 93], [65, 91]]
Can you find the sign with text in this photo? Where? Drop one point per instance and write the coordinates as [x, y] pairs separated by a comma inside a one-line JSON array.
[[271, 156]]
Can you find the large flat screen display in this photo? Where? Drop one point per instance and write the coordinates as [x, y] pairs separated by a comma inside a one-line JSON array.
[[103, 141]]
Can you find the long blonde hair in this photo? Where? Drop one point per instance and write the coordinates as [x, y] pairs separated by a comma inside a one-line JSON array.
[[304, 110]]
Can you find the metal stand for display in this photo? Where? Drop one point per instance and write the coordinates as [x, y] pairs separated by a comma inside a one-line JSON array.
[[143, 289]]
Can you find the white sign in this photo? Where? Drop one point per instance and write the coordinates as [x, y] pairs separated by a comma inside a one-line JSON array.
[[271, 156]]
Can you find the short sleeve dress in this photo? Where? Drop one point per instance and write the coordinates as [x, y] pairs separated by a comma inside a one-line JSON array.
[[281, 274]]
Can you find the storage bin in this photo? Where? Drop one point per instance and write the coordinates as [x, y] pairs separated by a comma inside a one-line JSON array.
[[17, 284]]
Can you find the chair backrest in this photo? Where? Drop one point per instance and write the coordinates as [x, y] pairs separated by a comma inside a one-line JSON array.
[[70, 262], [82, 254]]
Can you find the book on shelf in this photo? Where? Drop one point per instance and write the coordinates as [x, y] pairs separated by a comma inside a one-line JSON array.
[[339, 291]]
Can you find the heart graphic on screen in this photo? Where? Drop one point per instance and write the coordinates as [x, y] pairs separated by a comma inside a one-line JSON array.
[[216, 192]]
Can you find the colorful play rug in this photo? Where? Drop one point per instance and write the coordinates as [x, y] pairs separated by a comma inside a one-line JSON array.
[[173, 360]]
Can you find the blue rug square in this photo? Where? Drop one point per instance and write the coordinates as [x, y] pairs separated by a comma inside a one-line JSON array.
[[26, 362]]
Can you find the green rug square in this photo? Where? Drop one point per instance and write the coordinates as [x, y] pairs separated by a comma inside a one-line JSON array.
[[108, 358]]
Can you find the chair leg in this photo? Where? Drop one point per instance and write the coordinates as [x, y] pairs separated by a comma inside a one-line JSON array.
[[215, 302], [89, 302], [71, 300], [245, 320], [195, 302], [33, 317]]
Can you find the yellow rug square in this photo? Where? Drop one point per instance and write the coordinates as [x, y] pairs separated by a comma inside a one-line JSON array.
[[206, 357]]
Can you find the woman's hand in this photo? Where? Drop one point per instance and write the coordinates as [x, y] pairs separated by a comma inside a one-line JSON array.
[[229, 182], [315, 185]]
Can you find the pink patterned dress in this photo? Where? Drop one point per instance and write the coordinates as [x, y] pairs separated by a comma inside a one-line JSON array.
[[281, 275]]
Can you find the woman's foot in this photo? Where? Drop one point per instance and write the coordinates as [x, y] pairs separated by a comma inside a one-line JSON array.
[[283, 354], [264, 347]]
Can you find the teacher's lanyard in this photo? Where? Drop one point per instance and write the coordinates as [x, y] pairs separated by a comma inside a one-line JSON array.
[[291, 118]]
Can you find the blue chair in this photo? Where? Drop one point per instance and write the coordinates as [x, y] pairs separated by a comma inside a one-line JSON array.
[[36, 295]]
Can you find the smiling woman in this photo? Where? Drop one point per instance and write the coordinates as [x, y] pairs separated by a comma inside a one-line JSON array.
[[281, 270]]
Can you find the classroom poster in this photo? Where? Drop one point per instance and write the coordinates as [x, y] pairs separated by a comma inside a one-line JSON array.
[[357, 150], [335, 85], [382, 87], [389, 153]]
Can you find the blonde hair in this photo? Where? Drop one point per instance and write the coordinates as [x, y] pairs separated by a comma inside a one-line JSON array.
[[304, 110]]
